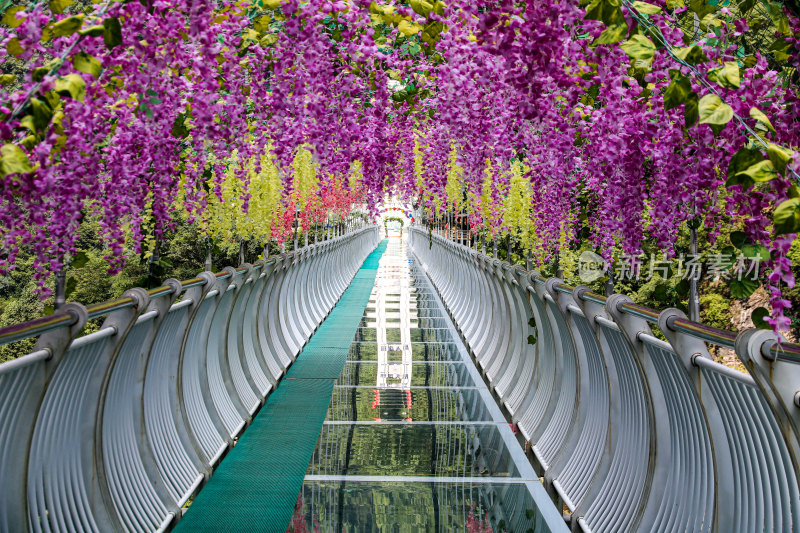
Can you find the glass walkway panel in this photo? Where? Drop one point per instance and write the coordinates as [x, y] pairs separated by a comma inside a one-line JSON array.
[[413, 440]]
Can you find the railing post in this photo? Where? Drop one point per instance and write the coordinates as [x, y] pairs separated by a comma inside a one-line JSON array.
[[23, 384], [67, 442], [689, 349], [123, 321], [779, 382]]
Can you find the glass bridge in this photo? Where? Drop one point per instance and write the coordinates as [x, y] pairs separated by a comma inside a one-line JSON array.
[[413, 440]]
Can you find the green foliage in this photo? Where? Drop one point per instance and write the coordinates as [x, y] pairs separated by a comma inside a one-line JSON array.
[[715, 310], [758, 315], [183, 253], [387, 220]]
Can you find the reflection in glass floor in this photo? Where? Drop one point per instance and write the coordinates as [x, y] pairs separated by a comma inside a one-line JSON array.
[[413, 440]]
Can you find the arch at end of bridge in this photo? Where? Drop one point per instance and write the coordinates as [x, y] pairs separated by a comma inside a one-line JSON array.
[[395, 210]]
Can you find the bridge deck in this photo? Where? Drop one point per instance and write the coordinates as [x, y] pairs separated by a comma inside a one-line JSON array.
[[411, 436]]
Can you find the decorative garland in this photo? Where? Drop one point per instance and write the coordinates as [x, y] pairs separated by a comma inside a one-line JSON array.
[[391, 219]]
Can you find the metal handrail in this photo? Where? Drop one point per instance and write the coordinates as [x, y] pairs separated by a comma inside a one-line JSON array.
[[32, 328], [38, 326], [780, 350]]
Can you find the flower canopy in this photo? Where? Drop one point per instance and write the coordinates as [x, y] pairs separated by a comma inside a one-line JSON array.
[[609, 120]]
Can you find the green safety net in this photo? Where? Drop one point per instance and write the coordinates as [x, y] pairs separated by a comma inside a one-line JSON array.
[[256, 485]]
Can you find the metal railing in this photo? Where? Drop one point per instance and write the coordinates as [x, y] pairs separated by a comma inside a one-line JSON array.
[[118, 429], [630, 433]]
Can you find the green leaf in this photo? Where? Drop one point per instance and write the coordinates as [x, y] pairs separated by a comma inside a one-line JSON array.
[[531, 339], [58, 6], [758, 315], [761, 118], [756, 251], [67, 26], [80, 260], [72, 283], [14, 48], [29, 142], [727, 76], [13, 160], [179, 128], [9, 17], [431, 32], [675, 4], [746, 6], [261, 24], [786, 218], [269, 39], [27, 123], [647, 9], [400, 96], [640, 49], [729, 251], [682, 288], [163, 263], [72, 85], [677, 92], [781, 48], [741, 289], [714, 111], [144, 108], [691, 55], [607, 11], [701, 7], [7, 79], [408, 28], [41, 114], [421, 7], [112, 32], [532, 322], [691, 111], [717, 129], [93, 31], [660, 292], [83, 62], [779, 18], [779, 156], [529, 514], [741, 161], [760, 172], [39, 73], [51, 66], [612, 34], [739, 239]]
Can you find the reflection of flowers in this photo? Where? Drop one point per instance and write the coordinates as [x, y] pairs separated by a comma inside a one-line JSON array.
[[475, 524], [298, 522]]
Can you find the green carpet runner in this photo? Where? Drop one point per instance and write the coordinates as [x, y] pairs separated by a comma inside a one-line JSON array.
[[256, 485]]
